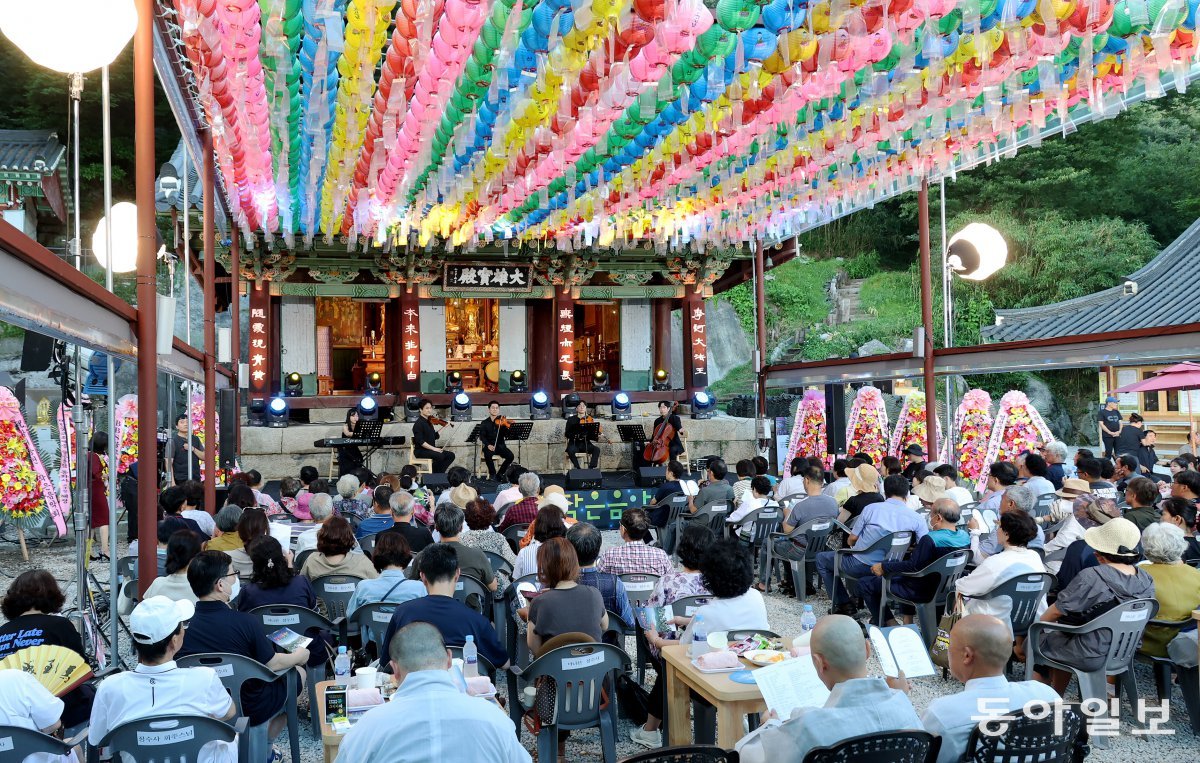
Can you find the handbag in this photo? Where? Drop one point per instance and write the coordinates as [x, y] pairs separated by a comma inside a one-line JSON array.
[[939, 653], [633, 701]]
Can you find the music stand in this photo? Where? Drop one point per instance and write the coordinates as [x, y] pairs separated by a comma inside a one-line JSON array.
[[473, 438], [519, 431], [633, 435], [368, 430]]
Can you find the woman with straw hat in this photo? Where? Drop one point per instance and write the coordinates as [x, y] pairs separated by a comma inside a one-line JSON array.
[[864, 490]]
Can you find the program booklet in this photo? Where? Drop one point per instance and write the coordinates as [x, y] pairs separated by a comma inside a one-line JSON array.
[[657, 619], [901, 648], [791, 684], [288, 640]]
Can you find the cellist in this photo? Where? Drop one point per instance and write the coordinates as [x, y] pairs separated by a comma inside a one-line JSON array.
[[675, 447]]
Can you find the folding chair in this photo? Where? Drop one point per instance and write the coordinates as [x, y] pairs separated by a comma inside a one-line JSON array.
[[948, 570], [170, 738], [272, 617], [894, 545]]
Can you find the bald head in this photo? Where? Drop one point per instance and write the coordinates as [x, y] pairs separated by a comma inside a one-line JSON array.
[[980, 646], [947, 509], [839, 649]]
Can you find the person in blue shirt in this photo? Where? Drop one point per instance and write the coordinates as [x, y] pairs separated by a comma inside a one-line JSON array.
[[587, 542], [381, 519], [439, 572], [675, 473]]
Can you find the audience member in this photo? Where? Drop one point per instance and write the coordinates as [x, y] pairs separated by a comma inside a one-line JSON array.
[[745, 472], [335, 542], [226, 522], [547, 524], [980, 647], [288, 487], [347, 504], [840, 479], [1091, 470], [1090, 511], [511, 493], [662, 508], [479, 534], [1141, 494], [438, 568], [863, 491], [381, 516], [448, 520], [716, 488], [634, 555], [524, 511], [275, 582], [26, 704], [1055, 453], [166, 528], [959, 495], [308, 475], [1186, 485], [241, 494], [1176, 585], [1063, 511], [390, 557], [320, 508], [182, 547], [814, 504], [586, 540], [728, 572], [253, 524], [462, 727], [1125, 469], [984, 543], [1001, 476], [1182, 514], [758, 497], [1034, 470], [857, 704], [563, 607], [173, 501], [403, 504], [1014, 530], [217, 628], [156, 686], [193, 500], [931, 489]]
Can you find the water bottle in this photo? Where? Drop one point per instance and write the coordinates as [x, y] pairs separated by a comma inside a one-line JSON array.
[[808, 619], [470, 658], [699, 637], [341, 668]]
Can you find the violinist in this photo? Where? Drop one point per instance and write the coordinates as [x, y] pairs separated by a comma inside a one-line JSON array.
[[577, 437], [425, 437], [492, 434], [676, 445]]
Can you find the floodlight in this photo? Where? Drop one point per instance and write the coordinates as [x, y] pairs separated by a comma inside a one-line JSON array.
[[277, 412], [600, 381], [454, 382], [704, 405], [539, 406], [412, 409], [621, 407], [293, 385], [662, 380], [460, 407], [368, 409], [518, 382]]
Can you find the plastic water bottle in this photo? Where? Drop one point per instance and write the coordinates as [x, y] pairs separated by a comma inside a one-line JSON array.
[[699, 637], [808, 619], [341, 668], [470, 658]]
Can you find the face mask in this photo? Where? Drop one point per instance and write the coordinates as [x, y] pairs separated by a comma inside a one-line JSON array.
[[236, 589]]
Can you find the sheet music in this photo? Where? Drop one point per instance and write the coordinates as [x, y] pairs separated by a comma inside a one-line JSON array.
[[790, 684], [901, 648]]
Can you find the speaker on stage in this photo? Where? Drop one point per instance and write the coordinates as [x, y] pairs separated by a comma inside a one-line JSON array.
[[37, 352], [227, 407], [436, 482], [584, 479], [835, 417], [651, 476]]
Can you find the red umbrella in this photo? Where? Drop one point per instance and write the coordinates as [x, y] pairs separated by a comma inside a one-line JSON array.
[[1181, 376]]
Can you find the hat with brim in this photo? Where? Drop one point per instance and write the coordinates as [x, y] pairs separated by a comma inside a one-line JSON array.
[[462, 495], [1073, 487], [1116, 537], [931, 489], [914, 450], [554, 499], [864, 478]]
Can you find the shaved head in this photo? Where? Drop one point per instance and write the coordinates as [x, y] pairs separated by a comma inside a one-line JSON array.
[[839, 645], [980, 646]]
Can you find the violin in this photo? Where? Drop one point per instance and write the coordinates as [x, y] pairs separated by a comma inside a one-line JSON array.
[[587, 420], [502, 422], [658, 450], [439, 422]]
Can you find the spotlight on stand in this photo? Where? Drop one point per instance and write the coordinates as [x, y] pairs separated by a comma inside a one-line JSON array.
[[374, 383], [621, 407], [412, 409], [256, 413], [662, 381], [460, 407], [277, 412], [539, 406], [518, 382], [976, 252], [600, 382], [368, 409], [568, 404], [454, 382], [293, 385], [704, 405]]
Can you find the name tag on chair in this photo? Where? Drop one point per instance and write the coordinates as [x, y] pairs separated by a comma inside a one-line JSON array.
[[1135, 616], [224, 671], [381, 617], [960, 561], [1028, 587], [6, 744], [577, 663], [281, 619], [339, 587], [158, 738]]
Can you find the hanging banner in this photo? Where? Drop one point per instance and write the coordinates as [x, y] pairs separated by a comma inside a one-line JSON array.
[[697, 336], [260, 344], [564, 307], [410, 333]]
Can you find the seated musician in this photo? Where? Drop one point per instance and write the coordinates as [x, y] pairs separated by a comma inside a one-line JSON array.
[[349, 457], [674, 445], [424, 440], [577, 438], [492, 433]]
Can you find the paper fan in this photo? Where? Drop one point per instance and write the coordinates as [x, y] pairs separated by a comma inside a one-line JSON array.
[[57, 668]]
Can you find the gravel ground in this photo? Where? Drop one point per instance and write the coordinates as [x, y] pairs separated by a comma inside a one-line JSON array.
[[784, 616]]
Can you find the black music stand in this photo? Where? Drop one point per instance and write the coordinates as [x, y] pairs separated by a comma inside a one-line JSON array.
[[369, 430], [633, 435], [519, 431], [473, 438]]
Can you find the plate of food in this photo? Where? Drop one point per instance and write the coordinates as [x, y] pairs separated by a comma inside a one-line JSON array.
[[765, 656], [717, 662]]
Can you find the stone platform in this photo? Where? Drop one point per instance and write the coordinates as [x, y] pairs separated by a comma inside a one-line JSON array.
[[277, 453]]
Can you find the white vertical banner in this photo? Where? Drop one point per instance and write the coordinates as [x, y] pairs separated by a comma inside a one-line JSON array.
[[298, 335], [433, 336], [513, 338], [635, 335]]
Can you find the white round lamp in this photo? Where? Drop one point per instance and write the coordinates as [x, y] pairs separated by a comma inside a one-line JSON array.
[[124, 238], [976, 252], [69, 36]]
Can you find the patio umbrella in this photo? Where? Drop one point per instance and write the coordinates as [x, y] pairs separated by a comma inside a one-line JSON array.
[[1181, 376]]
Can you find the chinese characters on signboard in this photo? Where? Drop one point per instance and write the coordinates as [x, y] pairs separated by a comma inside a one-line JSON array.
[[260, 349], [410, 334], [698, 344], [469, 277], [564, 308]]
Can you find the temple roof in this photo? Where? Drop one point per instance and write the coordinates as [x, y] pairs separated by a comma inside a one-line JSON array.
[[33, 161]]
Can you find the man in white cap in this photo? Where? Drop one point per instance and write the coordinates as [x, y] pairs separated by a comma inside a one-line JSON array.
[[156, 686]]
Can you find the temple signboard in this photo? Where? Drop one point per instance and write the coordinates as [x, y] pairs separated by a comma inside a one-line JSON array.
[[487, 277]]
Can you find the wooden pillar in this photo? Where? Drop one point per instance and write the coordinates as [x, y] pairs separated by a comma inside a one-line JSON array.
[[235, 331], [147, 266], [564, 340], [408, 342], [273, 357], [542, 331], [927, 315], [695, 342], [760, 315], [393, 373], [660, 311], [208, 179]]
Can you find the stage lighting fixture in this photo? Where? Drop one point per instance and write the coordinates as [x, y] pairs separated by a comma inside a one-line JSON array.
[[600, 381], [412, 409], [277, 412], [374, 383], [569, 402], [454, 382], [621, 407], [518, 382], [256, 413], [662, 381], [368, 409], [704, 405], [539, 406], [460, 407], [293, 385]]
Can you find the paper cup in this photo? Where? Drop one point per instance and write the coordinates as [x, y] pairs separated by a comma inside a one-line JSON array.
[[365, 678], [718, 639]]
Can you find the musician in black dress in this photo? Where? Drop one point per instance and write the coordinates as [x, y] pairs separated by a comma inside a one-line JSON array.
[[349, 457], [491, 436], [675, 447], [577, 438], [424, 440]]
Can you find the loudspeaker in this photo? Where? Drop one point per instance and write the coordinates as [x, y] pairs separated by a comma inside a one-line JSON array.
[[436, 482], [37, 352], [584, 479], [835, 417], [227, 407], [651, 476]]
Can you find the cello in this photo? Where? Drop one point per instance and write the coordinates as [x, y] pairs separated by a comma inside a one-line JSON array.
[[658, 450]]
